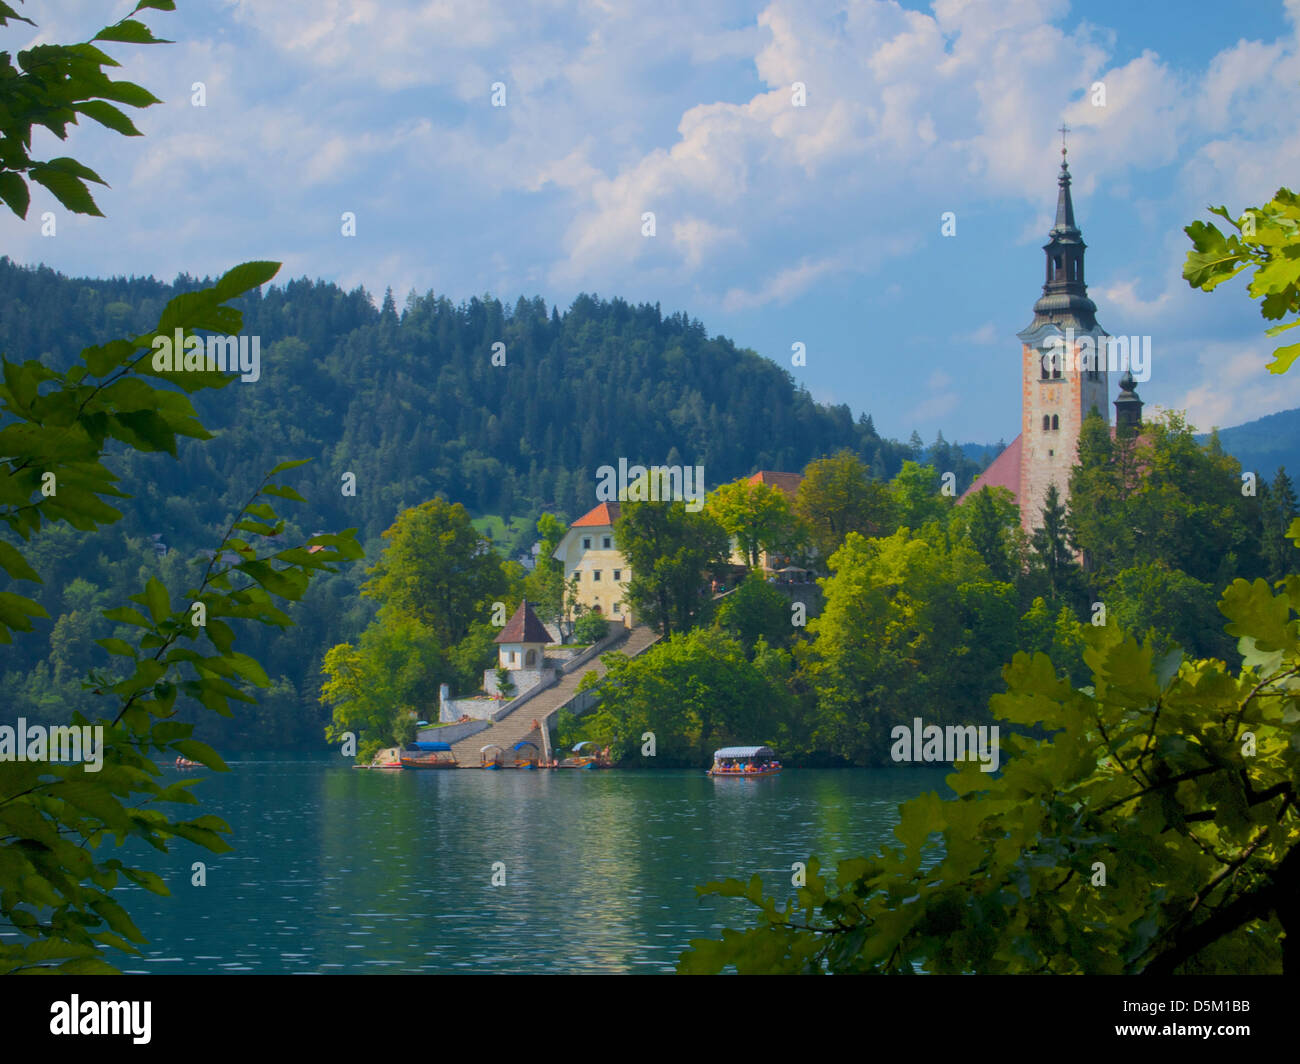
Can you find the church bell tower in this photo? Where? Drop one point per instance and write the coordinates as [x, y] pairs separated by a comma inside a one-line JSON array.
[[1063, 364]]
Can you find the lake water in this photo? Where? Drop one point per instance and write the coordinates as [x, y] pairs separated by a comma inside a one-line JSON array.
[[336, 870]]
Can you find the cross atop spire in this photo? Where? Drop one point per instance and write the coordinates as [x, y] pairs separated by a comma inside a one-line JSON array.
[[1063, 131]]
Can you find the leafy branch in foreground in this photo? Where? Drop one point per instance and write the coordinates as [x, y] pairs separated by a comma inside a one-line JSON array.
[[52, 85], [53, 817], [1153, 831], [1267, 238], [54, 427]]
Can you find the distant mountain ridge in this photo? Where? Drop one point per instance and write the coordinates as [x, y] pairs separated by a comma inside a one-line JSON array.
[[1261, 446], [1264, 444]]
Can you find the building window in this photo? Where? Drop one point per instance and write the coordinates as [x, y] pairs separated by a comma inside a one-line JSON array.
[[1047, 422], [586, 543], [618, 609], [618, 574], [1056, 422], [595, 575], [607, 542], [532, 657]]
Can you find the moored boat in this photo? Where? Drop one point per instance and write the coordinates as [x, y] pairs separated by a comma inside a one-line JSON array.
[[744, 762], [579, 759], [431, 755], [526, 754], [490, 760]]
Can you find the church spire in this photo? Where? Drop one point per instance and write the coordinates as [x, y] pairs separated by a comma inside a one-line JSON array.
[[1064, 204], [1065, 301], [1057, 394]]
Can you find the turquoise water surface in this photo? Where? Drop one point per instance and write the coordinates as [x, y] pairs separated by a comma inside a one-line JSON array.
[[338, 870]]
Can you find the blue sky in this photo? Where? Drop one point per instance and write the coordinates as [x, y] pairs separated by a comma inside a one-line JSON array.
[[775, 224]]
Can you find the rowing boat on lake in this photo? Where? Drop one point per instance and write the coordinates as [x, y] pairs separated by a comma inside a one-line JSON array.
[[744, 762]]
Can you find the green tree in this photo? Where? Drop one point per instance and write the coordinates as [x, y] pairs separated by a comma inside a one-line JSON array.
[[990, 520], [1054, 550], [590, 628], [1163, 497], [468, 658], [837, 496], [756, 611], [916, 496], [696, 692], [544, 586], [505, 682], [51, 87], [757, 517], [438, 569], [911, 627], [1060, 638], [1278, 509], [380, 687], [1170, 609], [670, 550]]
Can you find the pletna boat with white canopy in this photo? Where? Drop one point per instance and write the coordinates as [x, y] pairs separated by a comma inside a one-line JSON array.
[[744, 762]]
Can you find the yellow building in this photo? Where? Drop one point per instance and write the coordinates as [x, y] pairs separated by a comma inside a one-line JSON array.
[[588, 550]]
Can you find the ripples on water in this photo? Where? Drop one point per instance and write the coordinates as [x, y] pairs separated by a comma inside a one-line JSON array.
[[336, 870]]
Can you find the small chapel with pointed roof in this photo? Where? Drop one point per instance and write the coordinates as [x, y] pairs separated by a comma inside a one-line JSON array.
[[522, 642]]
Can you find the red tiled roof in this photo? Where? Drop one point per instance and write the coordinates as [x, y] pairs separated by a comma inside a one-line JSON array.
[[1003, 473], [604, 514], [524, 627], [786, 483]]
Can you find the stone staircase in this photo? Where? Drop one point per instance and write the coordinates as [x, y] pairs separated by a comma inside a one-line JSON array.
[[529, 716]]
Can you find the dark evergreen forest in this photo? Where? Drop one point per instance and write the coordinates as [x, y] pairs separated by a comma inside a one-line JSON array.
[[412, 404]]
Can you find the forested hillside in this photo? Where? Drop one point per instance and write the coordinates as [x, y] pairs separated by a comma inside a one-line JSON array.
[[413, 405], [1265, 444]]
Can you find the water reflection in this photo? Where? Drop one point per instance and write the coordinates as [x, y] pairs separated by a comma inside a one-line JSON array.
[[338, 870]]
